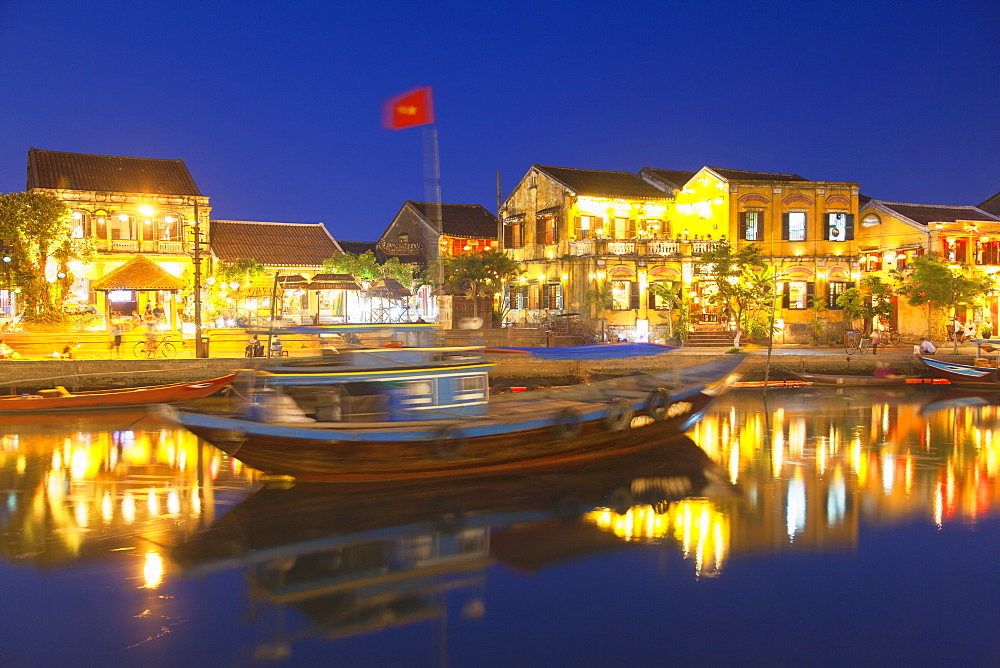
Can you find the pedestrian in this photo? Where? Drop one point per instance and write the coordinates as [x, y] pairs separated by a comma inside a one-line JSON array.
[[116, 339], [926, 347], [158, 312], [875, 340]]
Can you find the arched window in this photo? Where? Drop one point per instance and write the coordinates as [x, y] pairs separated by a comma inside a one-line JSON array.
[[81, 224], [123, 226]]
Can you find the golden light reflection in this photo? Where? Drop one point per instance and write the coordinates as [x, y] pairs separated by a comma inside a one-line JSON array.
[[152, 570], [700, 528]]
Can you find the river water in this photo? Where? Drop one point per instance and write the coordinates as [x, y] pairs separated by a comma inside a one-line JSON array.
[[809, 526]]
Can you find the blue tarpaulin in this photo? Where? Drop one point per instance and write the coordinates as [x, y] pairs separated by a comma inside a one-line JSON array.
[[597, 351]]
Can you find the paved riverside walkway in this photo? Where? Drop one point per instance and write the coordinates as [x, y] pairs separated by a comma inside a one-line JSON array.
[[92, 373]]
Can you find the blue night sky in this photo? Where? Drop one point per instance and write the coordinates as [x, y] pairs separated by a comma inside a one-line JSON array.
[[276, 106]]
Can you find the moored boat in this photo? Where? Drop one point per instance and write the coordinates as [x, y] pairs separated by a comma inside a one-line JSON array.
[[417, 413], [850, 380], [60, 399], [966, 375]]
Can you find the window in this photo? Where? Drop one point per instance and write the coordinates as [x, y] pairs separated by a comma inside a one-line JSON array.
[[552, 296], [167, 229], [123, 227], [989, 253], [833, 290], [622, 228], [533, 297], [793, 226], [471, 387], [658, 301], [624, 295], [797, 294], [588, 226], [839, 226], [654, 228], [752, 225], [404, 238], [550, 228], [81, 224], [513, 235]]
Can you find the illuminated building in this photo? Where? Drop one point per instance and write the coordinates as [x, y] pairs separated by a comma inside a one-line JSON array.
[[597, 240], [893, 234]]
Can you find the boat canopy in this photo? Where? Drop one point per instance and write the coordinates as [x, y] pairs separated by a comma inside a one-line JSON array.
[[594, 351]]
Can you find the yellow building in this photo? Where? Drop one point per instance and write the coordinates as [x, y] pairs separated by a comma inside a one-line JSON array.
[[129, 207], [594, 241], [892, 234]]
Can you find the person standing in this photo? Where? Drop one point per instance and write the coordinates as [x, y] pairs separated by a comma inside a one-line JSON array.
[[116, 339]]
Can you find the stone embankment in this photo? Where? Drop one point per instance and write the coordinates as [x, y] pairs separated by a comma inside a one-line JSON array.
[[17, 376]]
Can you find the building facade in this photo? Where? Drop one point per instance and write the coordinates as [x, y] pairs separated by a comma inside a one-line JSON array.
[[596, 241]]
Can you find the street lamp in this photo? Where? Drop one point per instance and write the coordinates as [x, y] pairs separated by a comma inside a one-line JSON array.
[[10, 296]]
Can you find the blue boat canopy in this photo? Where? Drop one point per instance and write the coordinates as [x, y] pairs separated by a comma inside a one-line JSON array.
[[594, 351]]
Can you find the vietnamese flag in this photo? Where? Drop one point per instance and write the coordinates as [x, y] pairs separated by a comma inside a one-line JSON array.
[[409, 109]]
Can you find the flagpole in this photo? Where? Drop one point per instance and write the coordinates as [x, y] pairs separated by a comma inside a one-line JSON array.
[[432, 187]]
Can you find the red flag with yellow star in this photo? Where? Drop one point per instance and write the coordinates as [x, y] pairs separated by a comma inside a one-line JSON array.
[[409, 109]]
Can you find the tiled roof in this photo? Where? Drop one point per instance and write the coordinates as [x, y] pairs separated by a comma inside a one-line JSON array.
[[334, 282], [139, 273], [743, 175], [108, 173], [991, 205], [272, 244], [671, 176], [933, 213], [387, 288], [601, 183], [357, 247], [468, 221]]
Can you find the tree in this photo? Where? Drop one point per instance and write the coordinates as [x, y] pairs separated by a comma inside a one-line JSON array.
[[244, 269], [870, 300], [365, 267], [745, 286], [472, 274], [36, 228], [941, 286]]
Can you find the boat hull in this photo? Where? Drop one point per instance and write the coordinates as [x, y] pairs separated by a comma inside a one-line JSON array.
[[855, 381], [965, 375], [114, 399], [437, 452]]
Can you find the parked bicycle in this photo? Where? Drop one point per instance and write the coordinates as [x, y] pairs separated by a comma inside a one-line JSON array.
[[150, 348], [854, 342]]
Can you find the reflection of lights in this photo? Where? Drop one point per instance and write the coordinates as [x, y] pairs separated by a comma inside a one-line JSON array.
[[836, 499], [795, 514], [173, 502], [78, 464], [152, 570], [888, 472], [152, 503], [107, 509], [128, 508]]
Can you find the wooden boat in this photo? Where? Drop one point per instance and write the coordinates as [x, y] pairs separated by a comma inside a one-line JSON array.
[[965, 375], [60, 399], [421, 413], [857, 381]]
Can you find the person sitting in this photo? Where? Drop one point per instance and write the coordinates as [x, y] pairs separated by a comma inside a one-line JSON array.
[[926, 347], [7, 353], [254, 348]]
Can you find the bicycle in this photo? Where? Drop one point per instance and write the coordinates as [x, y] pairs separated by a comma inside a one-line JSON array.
[[855, 343], [161, 347]]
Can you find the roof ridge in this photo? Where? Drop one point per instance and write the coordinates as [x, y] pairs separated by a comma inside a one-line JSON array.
[[584, 169], [933, 206], [104, 155], [750, 171], [259, 222]]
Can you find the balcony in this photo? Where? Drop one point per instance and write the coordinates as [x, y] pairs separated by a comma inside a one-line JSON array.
[[663, 247], [170, 246], [125, 245]]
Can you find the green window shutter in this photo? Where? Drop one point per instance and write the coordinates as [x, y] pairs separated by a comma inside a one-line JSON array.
[[743, 225], [850, 227], [810, 293], [784, 231], [633, 295], [786, 298]]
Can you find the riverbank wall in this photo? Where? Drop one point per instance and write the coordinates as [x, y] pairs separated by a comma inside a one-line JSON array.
[[18, 376]]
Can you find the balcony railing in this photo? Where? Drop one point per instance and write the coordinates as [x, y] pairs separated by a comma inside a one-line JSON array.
[[170, 246], [127, 245], [641, 247]]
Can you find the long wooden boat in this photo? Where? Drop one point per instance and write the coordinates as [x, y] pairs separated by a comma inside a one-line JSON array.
[[856, 381], [394, 414], [965, 375], [59, 399]]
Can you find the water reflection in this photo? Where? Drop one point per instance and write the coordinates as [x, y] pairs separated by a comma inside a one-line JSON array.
[[356, 561], [802, 471], [82, 487]]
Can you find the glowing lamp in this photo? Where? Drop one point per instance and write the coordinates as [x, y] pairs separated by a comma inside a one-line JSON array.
[[168, 219], [77, 215], [890, 256], [146, 210], [123, 218], [950, 239]]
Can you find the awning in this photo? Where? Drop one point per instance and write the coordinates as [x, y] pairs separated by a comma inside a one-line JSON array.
[[139, 273], [293, 281], [334, 282], [387, 288]]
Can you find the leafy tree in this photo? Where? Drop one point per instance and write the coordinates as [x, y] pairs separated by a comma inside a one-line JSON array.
[[244, 269], [473, 274], [365, 267], [870, 300], [745, 286], [941, 285], [669, 293], [34, 229]]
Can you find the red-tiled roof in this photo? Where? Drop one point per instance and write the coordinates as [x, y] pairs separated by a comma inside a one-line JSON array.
[[991, 205], [139, 273], [468, 221], [743, 175], [602, 183], [272, 244], [933, 213], [671, 176], [108, 173]]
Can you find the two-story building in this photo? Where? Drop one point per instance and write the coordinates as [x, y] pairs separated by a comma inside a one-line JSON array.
[[892, 234], [596, 241], [130, 207]]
